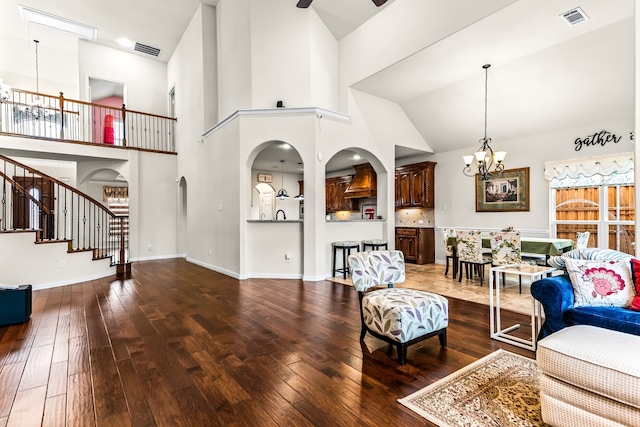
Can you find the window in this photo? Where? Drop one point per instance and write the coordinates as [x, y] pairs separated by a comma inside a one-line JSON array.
[[602, 203]]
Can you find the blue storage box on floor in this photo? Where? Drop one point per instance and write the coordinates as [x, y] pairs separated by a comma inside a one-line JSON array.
[[15, 305]]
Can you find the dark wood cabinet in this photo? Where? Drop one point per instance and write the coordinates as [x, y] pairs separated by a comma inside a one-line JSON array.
[[415, 186], [334, 195], [417, 244]]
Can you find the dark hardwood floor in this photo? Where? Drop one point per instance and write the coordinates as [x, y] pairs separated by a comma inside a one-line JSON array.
[[180, 345]]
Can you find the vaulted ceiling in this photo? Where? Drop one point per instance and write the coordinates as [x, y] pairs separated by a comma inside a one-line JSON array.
[[545, 73]]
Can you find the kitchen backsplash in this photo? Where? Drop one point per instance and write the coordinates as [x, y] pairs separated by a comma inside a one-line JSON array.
[[415, 218]]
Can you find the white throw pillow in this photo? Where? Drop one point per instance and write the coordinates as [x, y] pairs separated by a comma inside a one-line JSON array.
[[600, 282]]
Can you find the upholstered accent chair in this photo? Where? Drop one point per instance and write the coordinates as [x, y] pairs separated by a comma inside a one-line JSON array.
[[449, 250], [469, 250], [506, 249], [582, 240], [399, 316]]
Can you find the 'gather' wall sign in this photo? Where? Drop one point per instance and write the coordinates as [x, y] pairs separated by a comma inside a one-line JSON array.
[[598, 138]]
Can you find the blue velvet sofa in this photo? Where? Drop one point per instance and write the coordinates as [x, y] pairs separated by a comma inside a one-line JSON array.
[[556, 296]]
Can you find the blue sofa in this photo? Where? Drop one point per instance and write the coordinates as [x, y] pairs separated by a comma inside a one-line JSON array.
[[556, 296]]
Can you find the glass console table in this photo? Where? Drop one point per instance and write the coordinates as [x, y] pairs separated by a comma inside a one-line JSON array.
[[533, 272]]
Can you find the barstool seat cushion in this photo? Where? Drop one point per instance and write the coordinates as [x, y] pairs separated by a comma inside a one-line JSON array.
[[347, 244], [404, 314], [374, 242]]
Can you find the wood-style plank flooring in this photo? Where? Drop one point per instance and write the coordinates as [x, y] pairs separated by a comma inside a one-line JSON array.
[[180, 345]]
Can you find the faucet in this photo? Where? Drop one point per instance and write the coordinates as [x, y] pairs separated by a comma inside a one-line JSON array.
[[262, 217], [284, 216]]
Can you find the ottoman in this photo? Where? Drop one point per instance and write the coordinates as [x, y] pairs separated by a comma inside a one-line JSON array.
[[15, 305], [404, 317], [590, 377]]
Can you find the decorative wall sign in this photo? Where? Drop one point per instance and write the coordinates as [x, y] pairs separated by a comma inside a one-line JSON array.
[[508, 192], [598, 138], [265, 177]]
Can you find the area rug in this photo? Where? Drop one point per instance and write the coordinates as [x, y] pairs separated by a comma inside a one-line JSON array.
[[500, 389]]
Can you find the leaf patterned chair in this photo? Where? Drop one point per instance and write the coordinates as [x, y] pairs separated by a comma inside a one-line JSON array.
[[506, 249], [399, 316], [582, 240], [449, 250], [469, 250]]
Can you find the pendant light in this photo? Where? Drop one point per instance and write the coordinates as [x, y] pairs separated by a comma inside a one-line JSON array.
[[282, 193], [485, 157]]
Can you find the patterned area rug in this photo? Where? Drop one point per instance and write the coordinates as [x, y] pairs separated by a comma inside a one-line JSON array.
[[500, 389]]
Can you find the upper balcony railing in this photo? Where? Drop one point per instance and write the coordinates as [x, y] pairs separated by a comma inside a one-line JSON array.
[[56, 117]]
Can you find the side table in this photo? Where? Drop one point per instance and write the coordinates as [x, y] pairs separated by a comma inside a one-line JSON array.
[[533, 272]]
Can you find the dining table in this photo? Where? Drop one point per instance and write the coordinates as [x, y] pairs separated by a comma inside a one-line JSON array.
[[530, 245]]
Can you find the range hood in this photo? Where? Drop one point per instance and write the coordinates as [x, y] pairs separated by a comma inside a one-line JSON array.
[[364, 184]]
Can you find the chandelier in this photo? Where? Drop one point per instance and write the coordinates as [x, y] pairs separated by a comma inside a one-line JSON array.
[[282, 194], [485, 158]]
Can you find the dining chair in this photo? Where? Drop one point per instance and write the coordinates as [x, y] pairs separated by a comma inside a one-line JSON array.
[[449, 250], [469, 251], [582, 240], [506, 249]]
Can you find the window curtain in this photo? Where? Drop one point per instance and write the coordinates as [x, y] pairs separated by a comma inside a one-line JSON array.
[[615, 169]]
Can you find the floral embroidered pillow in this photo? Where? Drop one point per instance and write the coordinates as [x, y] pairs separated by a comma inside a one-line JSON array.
[[600, 282]]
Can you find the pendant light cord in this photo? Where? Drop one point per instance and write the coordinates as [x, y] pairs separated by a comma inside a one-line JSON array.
[[486, 85], [37, 74]]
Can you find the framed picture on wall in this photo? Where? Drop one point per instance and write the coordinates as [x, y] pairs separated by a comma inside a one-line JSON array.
[[508, 192]]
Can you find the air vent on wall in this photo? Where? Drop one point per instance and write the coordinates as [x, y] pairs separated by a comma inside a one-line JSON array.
[[153, 51], [574, 16]]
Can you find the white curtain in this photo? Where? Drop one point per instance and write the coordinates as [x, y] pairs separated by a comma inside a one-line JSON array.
[[591, 171]]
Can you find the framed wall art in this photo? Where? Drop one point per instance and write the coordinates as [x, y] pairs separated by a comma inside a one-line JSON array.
[[508, 192]]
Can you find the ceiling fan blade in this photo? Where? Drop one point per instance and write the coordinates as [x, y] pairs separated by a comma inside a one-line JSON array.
[[379, 2], [303, 4]]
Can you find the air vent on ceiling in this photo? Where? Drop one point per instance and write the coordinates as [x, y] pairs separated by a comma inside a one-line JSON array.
[[153, 51], [574, 16]]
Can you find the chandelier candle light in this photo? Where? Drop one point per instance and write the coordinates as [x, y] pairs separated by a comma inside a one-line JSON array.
[[485, 157]]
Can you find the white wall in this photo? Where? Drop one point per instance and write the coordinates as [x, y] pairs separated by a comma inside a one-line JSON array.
[[57, 55], [455, 192], [19, 254], [234, 55], [145, 78]]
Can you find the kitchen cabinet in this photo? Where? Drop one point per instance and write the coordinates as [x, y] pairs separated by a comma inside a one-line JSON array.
[[335, 195], [417, 244], [415, 185]]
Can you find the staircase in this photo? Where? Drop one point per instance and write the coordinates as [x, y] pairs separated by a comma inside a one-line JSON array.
[[36, 203]]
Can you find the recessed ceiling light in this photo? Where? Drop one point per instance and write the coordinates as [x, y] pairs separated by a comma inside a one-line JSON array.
[[57, 22], [285, 146], [356, 157], [125, 42]]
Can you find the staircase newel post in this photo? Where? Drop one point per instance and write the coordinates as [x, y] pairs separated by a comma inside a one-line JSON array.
[[122, 254], [124, 125], [61, 100]]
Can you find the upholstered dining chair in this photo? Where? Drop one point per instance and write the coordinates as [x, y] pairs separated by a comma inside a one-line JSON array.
[[506, 249], [399, 316], [449, 250], [469, 251], [582, 240]]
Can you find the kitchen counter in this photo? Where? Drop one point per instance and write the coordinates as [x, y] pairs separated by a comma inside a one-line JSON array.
[[356, 220], [271, 221]]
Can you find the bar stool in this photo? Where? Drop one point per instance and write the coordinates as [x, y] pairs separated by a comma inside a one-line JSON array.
[[375, 244], [346, 247]]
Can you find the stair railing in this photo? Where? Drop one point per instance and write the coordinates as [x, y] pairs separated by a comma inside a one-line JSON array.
[[33, 201], [38, 115]]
